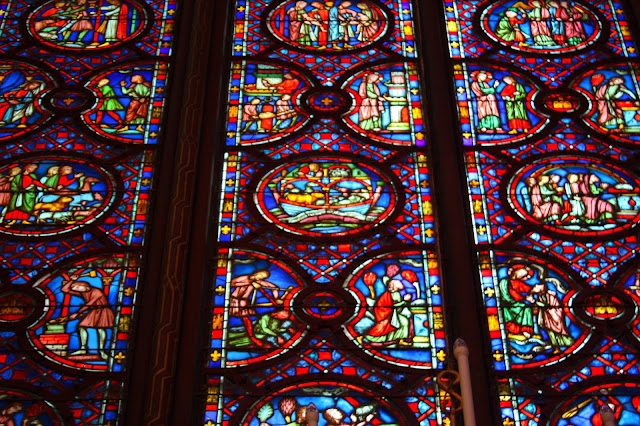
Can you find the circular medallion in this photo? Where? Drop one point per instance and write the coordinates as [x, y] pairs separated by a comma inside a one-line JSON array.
[[265, 102], [528, 304], [125, 109], [259, 323], [84, 25], [19, 407], [326, 101], [326, 196], [551, 27], [22, 87], [45, 196], [323, 305], [576, 196], [613, 93], [328, 26], [69, 101], [497, 105], [561, 102], [15, 307], [604, 307], [334, 402], [386, 104], [86, 319], [398, 309]]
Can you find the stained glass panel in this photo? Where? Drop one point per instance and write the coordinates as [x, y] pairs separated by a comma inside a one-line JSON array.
[[547, 102], [82, 97], [326, 288]]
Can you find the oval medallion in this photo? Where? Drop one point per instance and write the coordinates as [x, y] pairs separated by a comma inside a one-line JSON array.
[[336, 403], [399, 314], [577, 196], [45, 196], [550, 27], [83, 25], [326, 196], [259, 323], [22, 87], [328, 26], [87, 319], [614, 96]]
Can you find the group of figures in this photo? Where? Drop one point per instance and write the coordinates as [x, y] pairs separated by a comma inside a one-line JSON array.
[[19, 93], [395, 311], [333, 25], [512, 115], [578, 198], [124, 102], [259, 309], [269, 92], [325, 197], [543, 25], [51, 193], [533, 310], [83, 24]]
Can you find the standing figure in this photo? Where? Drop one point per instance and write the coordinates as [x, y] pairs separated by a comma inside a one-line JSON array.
[[285, 114], [517, 302], [251, 116], [96, 312], [391, 325], [321, 15], [372, 104], [346, 17], [243, 296], [551, 316], [508, 28], [546, 208], [515, 96], [574, 29], [140, 92], [368, 23], [116, 25], [334, 25], [21, 102], [610, 115], [23, 195], [487, 102], [294, 22], [109, 104], [50, 180], [556, 22], [538, 18]]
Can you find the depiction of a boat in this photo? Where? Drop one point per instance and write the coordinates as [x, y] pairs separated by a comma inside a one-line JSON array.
[[321, 198]]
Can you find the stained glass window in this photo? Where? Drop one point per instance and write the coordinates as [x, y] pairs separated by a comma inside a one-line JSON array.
[[547, 99], [326, 293], [81, 105]]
